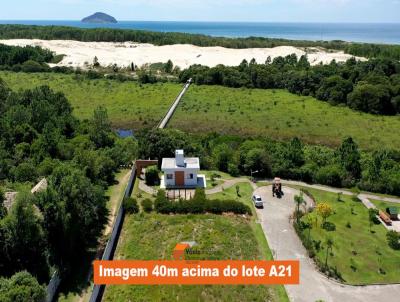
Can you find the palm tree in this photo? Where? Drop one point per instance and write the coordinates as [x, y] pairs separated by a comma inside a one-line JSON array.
[[329, 245], [299, 200]]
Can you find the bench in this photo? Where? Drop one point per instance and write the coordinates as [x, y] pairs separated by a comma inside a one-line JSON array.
[[385, 218]]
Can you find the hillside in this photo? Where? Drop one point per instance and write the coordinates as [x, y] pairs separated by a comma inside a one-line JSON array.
[[99, 18]]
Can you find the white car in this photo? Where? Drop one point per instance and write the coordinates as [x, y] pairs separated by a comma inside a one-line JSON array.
[[258, 202]]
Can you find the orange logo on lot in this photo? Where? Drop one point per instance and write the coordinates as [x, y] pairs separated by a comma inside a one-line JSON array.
[[179, 251]]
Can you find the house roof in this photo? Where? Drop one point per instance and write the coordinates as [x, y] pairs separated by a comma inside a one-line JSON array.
[[40, 186], [190, 163]]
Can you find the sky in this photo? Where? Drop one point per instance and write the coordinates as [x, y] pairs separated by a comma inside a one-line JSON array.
[[207, 10]]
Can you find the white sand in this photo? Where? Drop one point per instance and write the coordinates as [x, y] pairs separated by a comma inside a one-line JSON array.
[[182, 55]]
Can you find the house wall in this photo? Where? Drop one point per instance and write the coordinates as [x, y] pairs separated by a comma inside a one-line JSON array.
[[188, 181]]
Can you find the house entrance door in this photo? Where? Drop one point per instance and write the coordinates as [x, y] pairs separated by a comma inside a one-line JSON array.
[[179, 178]]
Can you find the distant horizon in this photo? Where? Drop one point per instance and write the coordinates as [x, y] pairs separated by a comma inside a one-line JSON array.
[[305, 11], [371, 32], [207, 21]]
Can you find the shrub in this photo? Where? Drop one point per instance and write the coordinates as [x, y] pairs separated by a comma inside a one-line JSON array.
[[393, 239], [32, 66], [324, 210], [308, 244], [329, 226], [130, 205], [91, 74], [161, 203], [147, 205], [151, 176]]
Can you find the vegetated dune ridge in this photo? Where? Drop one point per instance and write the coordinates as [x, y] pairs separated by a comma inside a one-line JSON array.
[[80, 54]]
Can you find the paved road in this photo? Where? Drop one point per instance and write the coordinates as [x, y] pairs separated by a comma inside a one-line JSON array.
[[337, 190], [285, 244], [171, 110]]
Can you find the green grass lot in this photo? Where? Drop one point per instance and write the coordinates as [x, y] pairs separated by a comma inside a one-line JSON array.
[[219, 178], [129, 104], [281, 115], [153, 236], [382, 205], [217, 174], [367, 250]]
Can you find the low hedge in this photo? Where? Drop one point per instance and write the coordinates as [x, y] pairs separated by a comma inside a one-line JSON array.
[[198, 205]]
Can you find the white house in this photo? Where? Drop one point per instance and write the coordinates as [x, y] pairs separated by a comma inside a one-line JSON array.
[[181, 172]]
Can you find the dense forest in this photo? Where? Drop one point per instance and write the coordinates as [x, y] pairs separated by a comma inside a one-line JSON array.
[[56, 227], [372, 86], [28, 58], [160, 38], [345, 166]]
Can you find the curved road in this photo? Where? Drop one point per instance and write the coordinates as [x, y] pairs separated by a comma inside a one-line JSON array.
[[285, 244]]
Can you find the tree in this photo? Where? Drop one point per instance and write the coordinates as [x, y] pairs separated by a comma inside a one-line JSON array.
[[324, 210], [237, 190], [258, 160], [295, 153], [329, 246], [24, 172], [160, 143], [371, 98], [21, 287], [100, 129], [23, 240], [151, 176], [372, 213], [222, 155], [299, 200], [96, 62], [74, 212], [334, 90], [349, 157], [168, 66]]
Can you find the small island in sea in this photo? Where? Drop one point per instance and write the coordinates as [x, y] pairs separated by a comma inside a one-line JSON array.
[[99, 18]]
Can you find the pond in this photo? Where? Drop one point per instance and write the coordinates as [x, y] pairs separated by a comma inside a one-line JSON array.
[[124, 133]]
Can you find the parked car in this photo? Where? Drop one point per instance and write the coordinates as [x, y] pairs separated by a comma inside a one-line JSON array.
[[258, 202]]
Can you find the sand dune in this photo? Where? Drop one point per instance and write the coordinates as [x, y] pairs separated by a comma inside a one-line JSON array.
[[79, 54]]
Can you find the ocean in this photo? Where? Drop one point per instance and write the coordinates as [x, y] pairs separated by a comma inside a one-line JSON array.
[[388, 33]]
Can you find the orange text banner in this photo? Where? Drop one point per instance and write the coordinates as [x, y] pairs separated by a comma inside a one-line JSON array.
[[196, 272]]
